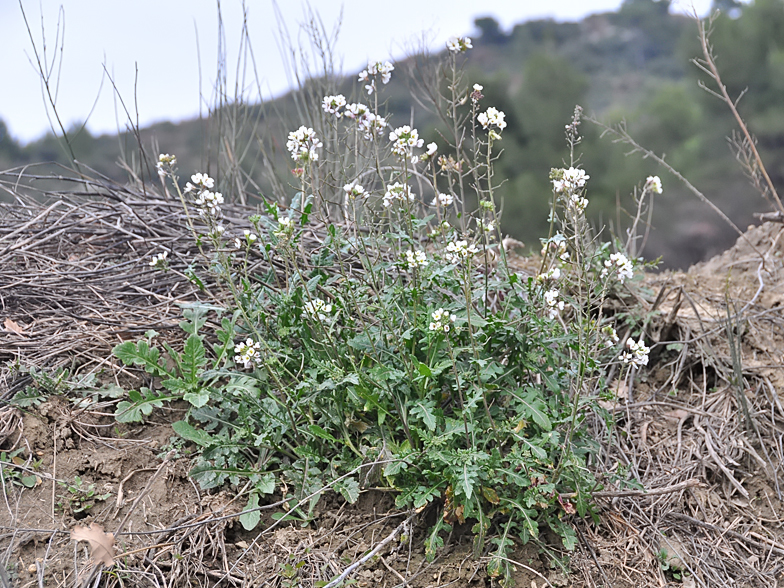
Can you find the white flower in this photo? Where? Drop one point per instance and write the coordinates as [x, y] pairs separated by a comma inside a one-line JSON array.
[[356, 110], [367, 122], [249, 237], [611, 336], [569, 180], [165, 163], [487, 226], [551, 275], [637, 354], [159, 261], [333, 104], [302, 144], [491, 117], [457, 251], [248, 353], [578, 203], [415, 259], [442, 320], [653, 183], [431, 149], [317, 308], [399, 192], [554, 306], [405, 139], [285, 228], [620, 263], [443, 199], [478, 87], [209, 203], [376, 68], [354, 190], [201, 181], [459, 44]]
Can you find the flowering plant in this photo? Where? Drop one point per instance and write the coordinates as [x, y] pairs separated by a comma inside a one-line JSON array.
[[399, 346]]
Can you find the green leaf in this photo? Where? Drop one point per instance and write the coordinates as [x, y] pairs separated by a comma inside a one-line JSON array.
[[424, 370], [190, 433], [424, 411], [313, 283], [434, 540], [535, 409], [141, 353], [198, 398], [29, 481], [319, 432], [266, 484], [195, 317], [249, 520], [140, 405], [193, 358], [395, 468], [466, 480], [349, 488]]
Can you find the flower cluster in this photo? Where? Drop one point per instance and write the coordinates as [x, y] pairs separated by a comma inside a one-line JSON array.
[[558, 246], [430, 152], [208, 202], [443, 199], [404, 140], [399, 192], [355, 190], [333, 104], [653, 183], [367, 122], [577, 203], [165, 163], [200, 182], [554, 305], [610, 336], [250, 238], [620, 263], [568, 180], [248, 353], [637, 354], [159, 261], [486, 226], [285, 228], [376, 68], [442, 320], [457, 251], [302, 144], [552, 275], [415, 259], [492, 117], [459, 44], [317, 308], [476, 94]]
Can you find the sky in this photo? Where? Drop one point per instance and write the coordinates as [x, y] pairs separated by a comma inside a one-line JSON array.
[[159, 56]]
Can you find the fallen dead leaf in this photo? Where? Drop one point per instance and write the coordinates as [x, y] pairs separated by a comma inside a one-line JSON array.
[[101, 543], [13, 327]]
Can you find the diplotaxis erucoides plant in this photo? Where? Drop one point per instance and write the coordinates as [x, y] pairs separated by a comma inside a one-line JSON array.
[[399, 347]]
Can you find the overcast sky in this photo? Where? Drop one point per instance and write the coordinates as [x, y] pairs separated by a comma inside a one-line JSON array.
[[158, 38]]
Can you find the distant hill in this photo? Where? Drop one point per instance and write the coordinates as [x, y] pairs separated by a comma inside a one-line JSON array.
[[631, 65]]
